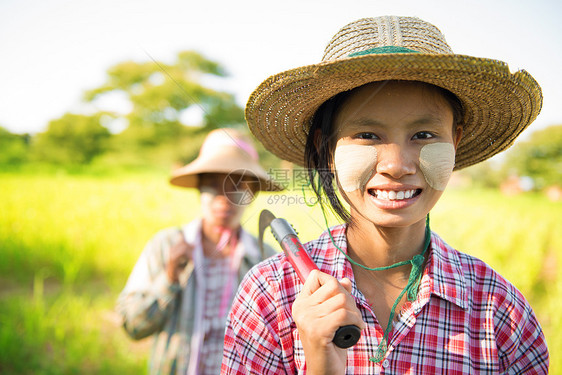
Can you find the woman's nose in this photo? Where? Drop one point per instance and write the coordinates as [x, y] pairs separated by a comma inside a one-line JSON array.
[[395, 161]]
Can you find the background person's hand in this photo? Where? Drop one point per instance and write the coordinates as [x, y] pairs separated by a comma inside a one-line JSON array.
[[180, 254]]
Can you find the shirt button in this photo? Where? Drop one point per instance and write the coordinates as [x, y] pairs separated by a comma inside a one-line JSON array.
[[385, 363]]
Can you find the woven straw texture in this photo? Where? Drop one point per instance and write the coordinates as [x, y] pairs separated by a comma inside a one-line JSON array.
[[498, 105]]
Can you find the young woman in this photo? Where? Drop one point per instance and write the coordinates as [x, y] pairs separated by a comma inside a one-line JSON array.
[[384, 120]]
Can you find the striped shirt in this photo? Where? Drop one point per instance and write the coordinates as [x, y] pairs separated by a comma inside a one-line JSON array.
[[216, 272], [466, 319]]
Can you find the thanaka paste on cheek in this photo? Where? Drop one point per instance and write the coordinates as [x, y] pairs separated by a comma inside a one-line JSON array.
[[437, 161], [354, 166]]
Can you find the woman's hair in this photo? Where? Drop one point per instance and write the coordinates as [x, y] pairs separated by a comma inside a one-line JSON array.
[[321, 143], [319, 151]]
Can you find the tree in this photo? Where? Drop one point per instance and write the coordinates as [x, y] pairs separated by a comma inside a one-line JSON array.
[[487, 174], [540, 157], [72, 139], [160, 92], [13, 148]]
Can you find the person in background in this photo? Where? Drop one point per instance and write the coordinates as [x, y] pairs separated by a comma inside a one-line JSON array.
[[181, 288], [382, 122]]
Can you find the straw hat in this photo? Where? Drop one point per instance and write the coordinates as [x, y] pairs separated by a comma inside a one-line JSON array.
[[224, 151], [498, 104]]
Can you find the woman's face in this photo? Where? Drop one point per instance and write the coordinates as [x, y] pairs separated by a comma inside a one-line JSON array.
[[395, 151], [224, 197]]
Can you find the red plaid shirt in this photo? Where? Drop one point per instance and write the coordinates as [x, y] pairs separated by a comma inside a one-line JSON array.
[[466, 319]]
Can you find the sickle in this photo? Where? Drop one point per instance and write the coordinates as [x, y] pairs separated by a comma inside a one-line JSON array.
[[303, 264], [266, 217]]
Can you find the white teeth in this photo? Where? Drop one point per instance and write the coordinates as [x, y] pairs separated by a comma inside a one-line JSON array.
[[394, 195]]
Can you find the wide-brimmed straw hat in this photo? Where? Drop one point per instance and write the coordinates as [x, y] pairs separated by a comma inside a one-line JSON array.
[[224, 151], [498, 105]]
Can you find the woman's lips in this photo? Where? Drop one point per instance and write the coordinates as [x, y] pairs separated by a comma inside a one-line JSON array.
[[394, 195], [394, 198]]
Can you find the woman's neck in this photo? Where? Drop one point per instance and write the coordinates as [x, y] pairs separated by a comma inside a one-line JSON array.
[[375, 246], [211, 235]]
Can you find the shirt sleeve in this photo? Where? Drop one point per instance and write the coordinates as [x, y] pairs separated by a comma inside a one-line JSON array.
[[147, 299], [252, 344], [521, 343]]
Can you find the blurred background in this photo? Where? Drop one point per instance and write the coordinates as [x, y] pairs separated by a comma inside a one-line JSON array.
[[100, 100]]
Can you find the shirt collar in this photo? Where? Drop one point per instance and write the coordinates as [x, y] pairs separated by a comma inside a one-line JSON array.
[[443, 275], [192, 232], [329, 259]]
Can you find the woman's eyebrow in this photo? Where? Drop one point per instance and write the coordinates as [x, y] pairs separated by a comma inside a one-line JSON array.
[[427, 120], [359, 123]]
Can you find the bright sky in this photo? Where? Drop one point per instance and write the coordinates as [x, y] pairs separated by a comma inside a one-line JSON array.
[[53, 50]]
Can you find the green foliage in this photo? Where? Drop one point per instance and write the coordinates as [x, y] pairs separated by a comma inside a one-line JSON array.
[[13, 148], [487, 174], [223, 111], [154, 137], [74, 240], [540, 157], [160, 92], [63, 332], [71, 139], [193, 61]]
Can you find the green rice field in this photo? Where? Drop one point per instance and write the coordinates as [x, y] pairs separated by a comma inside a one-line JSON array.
[[68, 243]]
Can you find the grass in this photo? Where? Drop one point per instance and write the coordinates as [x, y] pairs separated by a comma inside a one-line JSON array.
[[68, 244]]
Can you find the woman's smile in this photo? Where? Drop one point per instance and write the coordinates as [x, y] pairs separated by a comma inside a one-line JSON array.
[[395, 151]]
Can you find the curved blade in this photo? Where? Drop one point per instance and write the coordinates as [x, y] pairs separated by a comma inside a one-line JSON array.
[[266, 217]]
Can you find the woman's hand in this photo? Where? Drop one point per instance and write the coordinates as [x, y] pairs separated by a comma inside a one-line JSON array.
[[180, 254], [323, 306]]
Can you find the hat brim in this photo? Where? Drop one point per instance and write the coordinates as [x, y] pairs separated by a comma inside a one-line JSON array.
[[188, 175], [498, 104]]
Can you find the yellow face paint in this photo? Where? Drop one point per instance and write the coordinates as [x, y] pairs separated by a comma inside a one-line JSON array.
[[437, 161], [354, 165]]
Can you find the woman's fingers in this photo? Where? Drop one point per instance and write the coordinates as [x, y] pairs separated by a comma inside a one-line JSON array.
[[323, 306], [323, 297], [180, 254]]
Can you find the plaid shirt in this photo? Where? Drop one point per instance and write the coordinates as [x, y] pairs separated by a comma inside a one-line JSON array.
[[466, 319], [216, 273]]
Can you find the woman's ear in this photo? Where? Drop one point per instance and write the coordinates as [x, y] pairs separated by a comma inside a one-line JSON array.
[[457, 136]]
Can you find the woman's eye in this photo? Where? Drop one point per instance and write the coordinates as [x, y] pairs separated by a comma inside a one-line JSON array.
[[422, 135], [366, 136]]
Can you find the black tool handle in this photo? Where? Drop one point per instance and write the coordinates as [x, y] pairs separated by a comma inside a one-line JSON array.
[[303, 264], [347, 336]]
